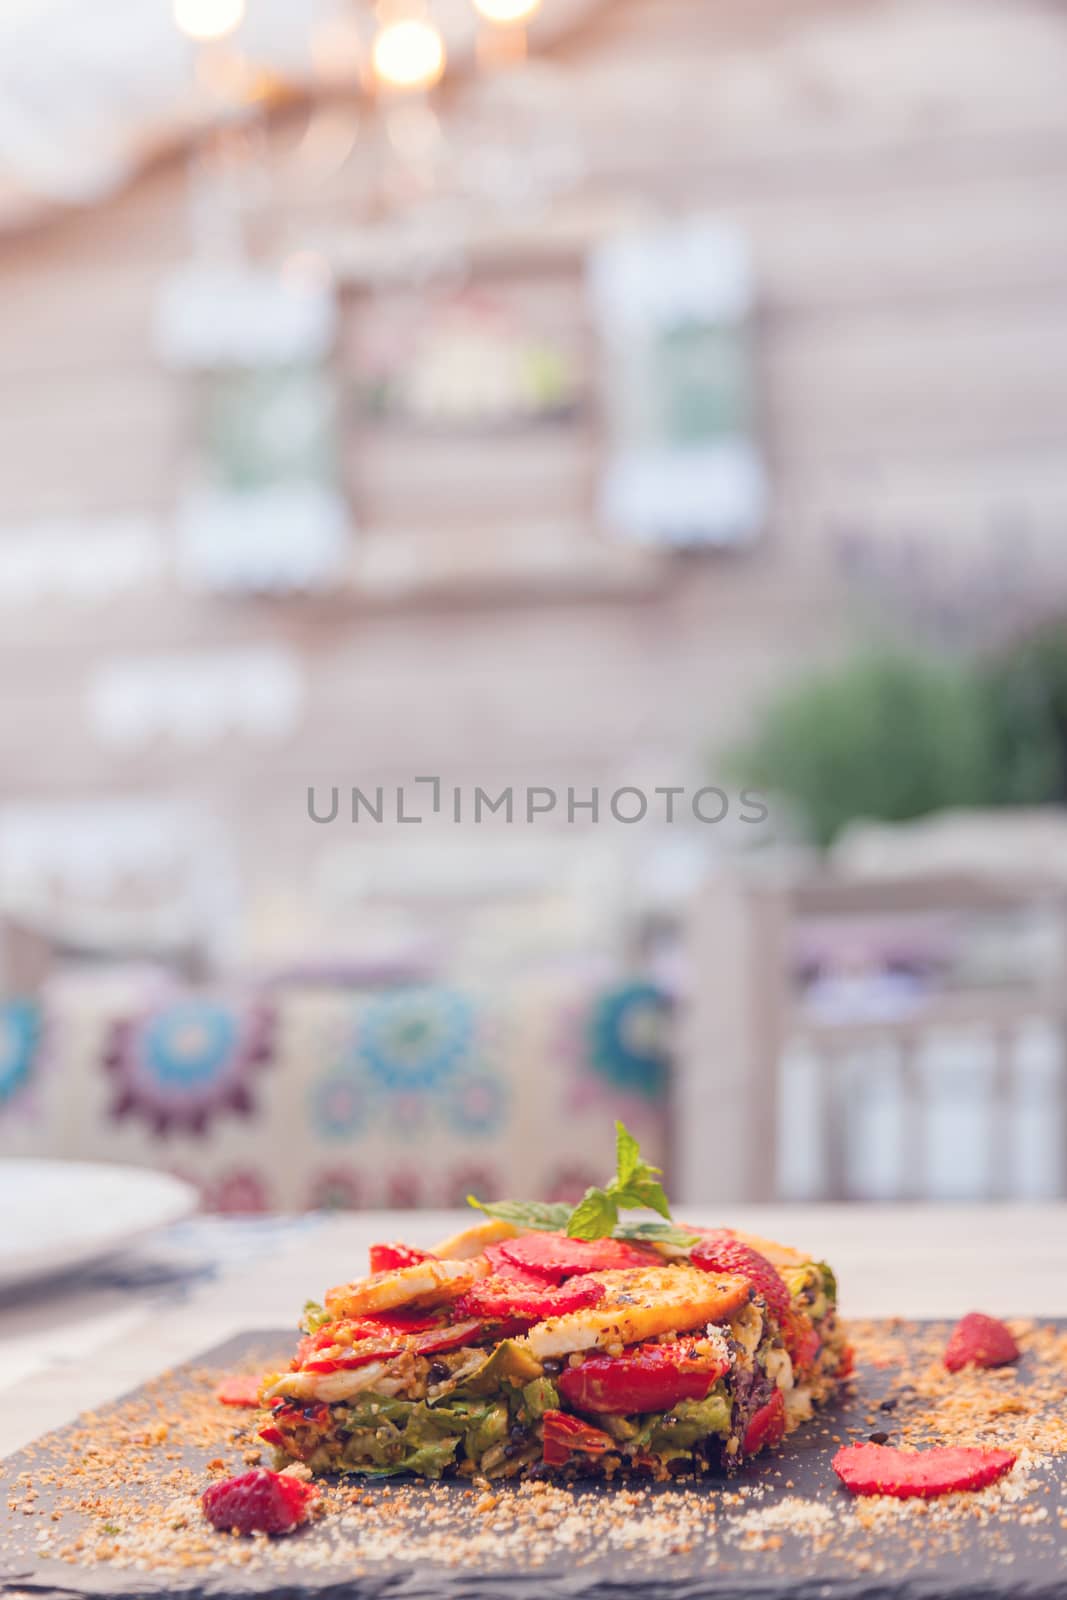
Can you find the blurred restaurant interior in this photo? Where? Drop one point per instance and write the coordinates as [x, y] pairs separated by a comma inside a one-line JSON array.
[[653, 412]]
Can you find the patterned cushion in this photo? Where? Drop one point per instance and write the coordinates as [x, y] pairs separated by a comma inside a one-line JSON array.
[[319, 1099]]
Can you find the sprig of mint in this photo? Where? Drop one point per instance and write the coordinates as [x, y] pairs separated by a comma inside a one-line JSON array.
[[536, 1214], [635, 1186]]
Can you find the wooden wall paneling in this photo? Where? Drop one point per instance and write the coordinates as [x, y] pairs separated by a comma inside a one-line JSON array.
[[910, 245]]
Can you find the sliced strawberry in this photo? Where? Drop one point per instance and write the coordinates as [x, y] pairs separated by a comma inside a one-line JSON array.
[[239, 1391], [527, 1299], [883, 1469], [258, 1502], [564, 1435], [766, 1426], [380, 1325], [720, 1251], [800, 1339], [387, 1257], [272, 1435], [847, 1364], [350, 1358], [980, 1341], [554, 1257], [461, 1333]]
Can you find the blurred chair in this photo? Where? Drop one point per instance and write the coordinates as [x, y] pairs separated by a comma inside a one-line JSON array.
[[756, 938]]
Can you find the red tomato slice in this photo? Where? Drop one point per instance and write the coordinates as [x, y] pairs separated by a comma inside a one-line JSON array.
[[239, 1391], [387, 1257], [766, 1427], [565, 1435], [648, 1377], [358, 1356], [527, 1298], [554, 1257], [461, 1333]]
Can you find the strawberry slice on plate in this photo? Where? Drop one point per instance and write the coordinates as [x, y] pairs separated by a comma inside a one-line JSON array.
[[258, 1502], [239, 1390], [554, 1257], [904, 1474], [980, 1341]]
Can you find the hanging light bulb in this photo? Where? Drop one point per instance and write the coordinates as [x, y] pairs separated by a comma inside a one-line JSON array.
[[409, 54], [204, 20], [507, 11]]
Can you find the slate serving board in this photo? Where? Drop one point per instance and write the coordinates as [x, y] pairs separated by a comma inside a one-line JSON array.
[[838, 1557]]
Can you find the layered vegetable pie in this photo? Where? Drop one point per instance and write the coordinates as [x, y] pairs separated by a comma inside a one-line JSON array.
[[521, 1350]]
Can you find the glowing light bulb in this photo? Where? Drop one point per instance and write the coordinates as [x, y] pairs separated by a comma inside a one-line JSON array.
[[204, 20], [506, 10], [409, 54]]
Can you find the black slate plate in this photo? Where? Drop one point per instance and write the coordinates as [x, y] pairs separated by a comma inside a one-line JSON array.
[[683, 1541]]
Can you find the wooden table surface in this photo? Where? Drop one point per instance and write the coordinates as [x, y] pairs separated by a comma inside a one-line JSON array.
[[72, 1345]]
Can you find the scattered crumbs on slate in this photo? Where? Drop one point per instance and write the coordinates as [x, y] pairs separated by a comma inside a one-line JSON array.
[[121, 1489]]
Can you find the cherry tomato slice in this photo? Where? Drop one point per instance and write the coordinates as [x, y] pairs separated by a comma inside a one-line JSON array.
[[766, 1427], [527, 1299], [564, 1435], [387, 1257], [239, 1391], [554, 1257], [648, 1377], [461, 1333]]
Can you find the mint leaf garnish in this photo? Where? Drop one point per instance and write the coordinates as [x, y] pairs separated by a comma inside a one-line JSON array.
[[635, 1186], [645, 1192], [540, 1215], [627, 1154], [594, 1216], [656, 1233]]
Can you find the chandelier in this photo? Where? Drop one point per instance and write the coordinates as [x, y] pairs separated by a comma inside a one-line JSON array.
[[408, 50]]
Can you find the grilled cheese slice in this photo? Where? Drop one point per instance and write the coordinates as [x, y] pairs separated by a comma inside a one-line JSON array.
[[472, 1241], [640, 1305], [426, 1284]]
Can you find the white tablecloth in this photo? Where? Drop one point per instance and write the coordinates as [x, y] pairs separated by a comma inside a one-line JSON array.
[[67, 1347]]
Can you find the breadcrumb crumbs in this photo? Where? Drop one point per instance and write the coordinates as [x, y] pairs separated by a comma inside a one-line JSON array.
[[113, 1491]]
